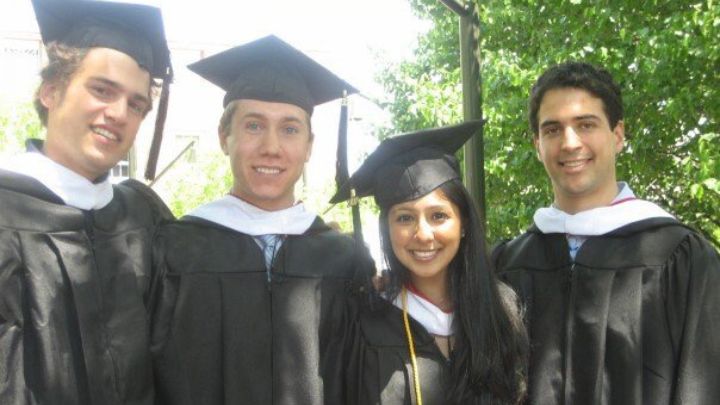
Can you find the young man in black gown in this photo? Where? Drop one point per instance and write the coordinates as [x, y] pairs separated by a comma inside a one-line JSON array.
[[622, 302], [75, 249], [251, 304]]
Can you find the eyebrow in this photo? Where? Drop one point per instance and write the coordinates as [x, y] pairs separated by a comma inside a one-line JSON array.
[[548, 123], [287, 118], [293, 119], [401, 207], [586, 117], [117, 86], [252, 115]]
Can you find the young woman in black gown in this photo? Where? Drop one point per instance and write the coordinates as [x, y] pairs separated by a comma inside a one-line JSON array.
[[445, 330]]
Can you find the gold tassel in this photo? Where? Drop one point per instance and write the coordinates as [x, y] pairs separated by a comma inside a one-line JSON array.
[[411, 346]]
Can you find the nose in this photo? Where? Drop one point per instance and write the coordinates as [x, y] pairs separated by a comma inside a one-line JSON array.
[[571, 140], [270, 143], [117, 110], [424, 231]]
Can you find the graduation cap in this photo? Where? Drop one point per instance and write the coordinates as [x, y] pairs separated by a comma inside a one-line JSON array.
[[133, 29], [269, 69], [409, 166]]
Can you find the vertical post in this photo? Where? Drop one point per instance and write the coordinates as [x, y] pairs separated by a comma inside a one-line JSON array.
[[472, 109]]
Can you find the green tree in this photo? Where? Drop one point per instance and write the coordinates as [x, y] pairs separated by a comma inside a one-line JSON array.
[[188, 185], [426, 91], [666, 56], [17, 124]]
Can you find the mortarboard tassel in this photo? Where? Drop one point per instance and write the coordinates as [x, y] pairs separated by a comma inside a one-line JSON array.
[[152, 161], [342, 177], [342, 174], [341, 166]]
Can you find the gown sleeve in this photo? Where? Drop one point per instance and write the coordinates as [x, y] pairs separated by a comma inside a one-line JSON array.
[[338, 339], [11, 318], [693, 300], [163, 295]]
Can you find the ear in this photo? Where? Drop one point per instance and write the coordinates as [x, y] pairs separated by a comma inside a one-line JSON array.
[[536, 143], [222, 138], [49, 94], [619, 135], [310, 147]]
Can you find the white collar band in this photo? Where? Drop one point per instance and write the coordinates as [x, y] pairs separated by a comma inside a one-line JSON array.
[[74, 189], [241, 216], [431, 317], [626, 209]]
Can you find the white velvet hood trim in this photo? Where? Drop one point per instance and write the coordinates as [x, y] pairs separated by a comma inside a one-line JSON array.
[[431, 317], [74, 189], [626, 209], [241, 216]]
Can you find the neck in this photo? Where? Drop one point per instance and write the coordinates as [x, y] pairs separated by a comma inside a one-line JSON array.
[[574, 204], [68, 163], [265, 205], [435, 290]]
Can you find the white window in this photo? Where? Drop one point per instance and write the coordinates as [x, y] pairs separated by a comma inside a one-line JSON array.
[[124, 169]]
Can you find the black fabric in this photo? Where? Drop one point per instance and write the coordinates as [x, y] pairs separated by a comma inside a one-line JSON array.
[[408, 166], [223, 334], [269, 69], [634, 320], [381, 371], [73, 286], [134, 29]]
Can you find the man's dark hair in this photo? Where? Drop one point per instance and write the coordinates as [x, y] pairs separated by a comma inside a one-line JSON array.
[[63, 62], [595, 80]]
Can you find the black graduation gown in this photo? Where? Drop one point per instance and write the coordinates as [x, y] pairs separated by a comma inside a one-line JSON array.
[[227, 331], [73, 325], [634, 320], [381, 371]]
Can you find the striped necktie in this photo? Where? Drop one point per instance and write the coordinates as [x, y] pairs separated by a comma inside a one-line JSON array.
[[269, 244]]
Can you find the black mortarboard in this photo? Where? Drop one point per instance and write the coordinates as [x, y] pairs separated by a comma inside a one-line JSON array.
[[409, 166], [133, 29], [268, 69]]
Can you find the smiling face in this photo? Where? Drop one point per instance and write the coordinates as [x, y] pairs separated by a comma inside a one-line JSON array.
[[425, 235], [578, 148], [92, 121], [268, 144]]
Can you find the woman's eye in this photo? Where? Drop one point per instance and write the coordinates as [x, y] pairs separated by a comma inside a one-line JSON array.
[[439, 216], [403, 218]]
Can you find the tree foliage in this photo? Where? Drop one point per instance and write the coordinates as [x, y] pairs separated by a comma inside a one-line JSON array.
[[190, 184], [17, 124], [426, 91], [665, 55]]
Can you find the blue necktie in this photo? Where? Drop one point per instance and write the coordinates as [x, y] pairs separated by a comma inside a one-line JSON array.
[[269, 244]]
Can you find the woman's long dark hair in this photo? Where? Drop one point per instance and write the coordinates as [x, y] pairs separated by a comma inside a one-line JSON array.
[[491, 346]]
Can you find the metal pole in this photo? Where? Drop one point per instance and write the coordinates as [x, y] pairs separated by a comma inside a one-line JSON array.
[[456, 7], [472, 103], [170, 165], [472, 109]]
